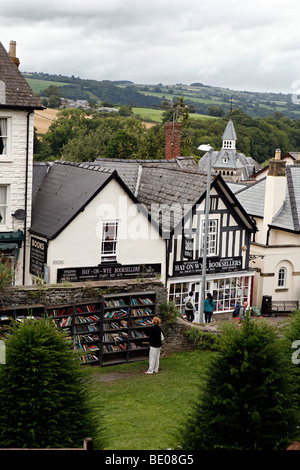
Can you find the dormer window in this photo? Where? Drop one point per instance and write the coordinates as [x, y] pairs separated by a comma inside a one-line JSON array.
[[225, 160]]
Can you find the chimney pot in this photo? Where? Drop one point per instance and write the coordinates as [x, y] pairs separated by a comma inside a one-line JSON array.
[[277, 154], [12, 53]]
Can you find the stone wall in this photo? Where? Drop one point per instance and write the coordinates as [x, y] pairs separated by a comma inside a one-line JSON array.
[[55, 295], [176, 340]]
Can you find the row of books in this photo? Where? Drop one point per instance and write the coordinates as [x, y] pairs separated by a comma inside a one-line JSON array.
[[123, 336], [116, 313], [114, 303], [63, 322], [113, 337], [86, 308], [84, 347], [89, 319], [140, 301], [114, 347], [142, 322], [85, 328], [113, 325], [109, 348], [59, 312], [139, 312], [87, 358]]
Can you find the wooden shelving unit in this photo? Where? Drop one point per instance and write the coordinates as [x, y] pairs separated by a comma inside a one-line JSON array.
[[109, 331], [125, 319]]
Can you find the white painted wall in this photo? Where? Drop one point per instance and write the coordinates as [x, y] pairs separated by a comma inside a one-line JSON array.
[[79, 244], [13, 170]]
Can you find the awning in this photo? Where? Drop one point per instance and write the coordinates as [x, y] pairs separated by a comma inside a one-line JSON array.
[[11, 242]]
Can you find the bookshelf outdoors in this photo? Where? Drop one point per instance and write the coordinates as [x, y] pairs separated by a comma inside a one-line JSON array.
[[125, 322], [105, 332]]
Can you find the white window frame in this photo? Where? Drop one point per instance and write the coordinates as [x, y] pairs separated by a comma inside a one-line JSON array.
[[4, 206], [282, 277], [5, 137], [110, 254], [212, 237]]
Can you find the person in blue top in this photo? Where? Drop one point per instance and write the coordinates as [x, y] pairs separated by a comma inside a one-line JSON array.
[[209, 307]]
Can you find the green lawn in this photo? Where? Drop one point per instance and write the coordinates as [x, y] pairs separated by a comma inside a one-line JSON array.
[[142, 412]]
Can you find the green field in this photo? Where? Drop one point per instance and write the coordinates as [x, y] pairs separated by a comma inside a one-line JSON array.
[[39, 85], [155, 115], [142, 412]]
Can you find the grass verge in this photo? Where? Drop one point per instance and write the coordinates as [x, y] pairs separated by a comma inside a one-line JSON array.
[[141, 412]]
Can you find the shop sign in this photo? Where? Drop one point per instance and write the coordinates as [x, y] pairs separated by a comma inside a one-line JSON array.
[[213, 265], [96, 273], [38, 256], [188, 247]]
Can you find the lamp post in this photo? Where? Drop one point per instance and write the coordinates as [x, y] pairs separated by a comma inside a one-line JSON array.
[[209, 149]]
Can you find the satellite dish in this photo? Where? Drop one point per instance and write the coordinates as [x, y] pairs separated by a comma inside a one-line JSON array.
[[20, 214]]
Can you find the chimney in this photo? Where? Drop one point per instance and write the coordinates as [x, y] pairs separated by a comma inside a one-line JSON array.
[[275, 191], [172, 140], [277, 154], [12, 53], [277, 166]]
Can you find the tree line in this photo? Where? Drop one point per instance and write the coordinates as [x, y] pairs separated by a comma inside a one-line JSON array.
[[77, 135]]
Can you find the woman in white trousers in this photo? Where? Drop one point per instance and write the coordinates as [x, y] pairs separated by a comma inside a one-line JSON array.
[[154, 334]]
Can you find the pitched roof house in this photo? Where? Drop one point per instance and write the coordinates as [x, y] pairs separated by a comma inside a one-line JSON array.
[[274, 203], [17, 104]]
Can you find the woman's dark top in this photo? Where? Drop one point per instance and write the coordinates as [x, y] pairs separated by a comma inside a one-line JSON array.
[[154, 333]]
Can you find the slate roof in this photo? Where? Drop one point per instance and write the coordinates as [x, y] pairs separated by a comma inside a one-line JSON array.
[[229, 133], [164, 191], [252, 198], [236, 160], [130, 169], [288, 217], [158, 183], [65, 190], [18, 93]]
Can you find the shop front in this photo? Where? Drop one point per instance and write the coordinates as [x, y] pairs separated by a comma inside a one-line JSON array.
[[227, 289]]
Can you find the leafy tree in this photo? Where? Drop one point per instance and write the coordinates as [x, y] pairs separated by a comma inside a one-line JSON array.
[[123, 144], [125, 110], [42, 394], [52, 90], [54, 101], [247, 401]]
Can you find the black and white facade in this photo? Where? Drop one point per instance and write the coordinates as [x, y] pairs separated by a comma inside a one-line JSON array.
[[173, 193], [228, 277]]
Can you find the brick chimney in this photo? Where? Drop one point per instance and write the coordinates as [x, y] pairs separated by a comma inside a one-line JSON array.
[[12, 53], [172, 140]]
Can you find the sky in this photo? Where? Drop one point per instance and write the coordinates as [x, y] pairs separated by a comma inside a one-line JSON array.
[[253, 46]]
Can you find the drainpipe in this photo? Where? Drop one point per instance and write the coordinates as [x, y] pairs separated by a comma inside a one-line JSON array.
[[26, 194]]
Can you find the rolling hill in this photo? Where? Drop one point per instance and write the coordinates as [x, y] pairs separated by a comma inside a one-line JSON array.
[[202, 99]]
